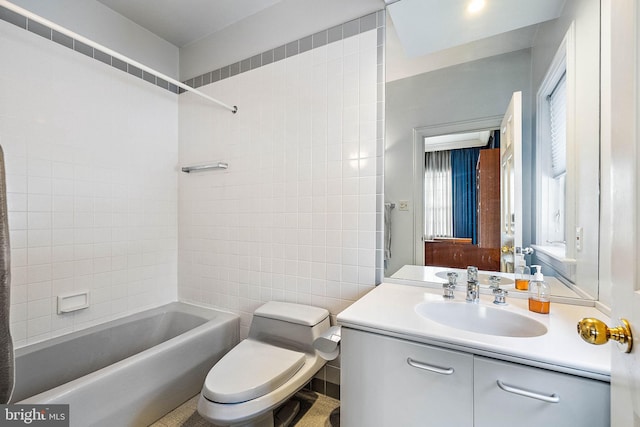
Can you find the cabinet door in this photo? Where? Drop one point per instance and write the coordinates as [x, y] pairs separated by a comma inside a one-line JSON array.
[[529, 396], [388, 382]]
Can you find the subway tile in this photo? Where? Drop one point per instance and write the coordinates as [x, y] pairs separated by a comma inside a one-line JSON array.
[[39, 29], [279, 53], [62, 39], [255, 61], [292, 48], [13, 18], [368, 22], [151, 78], [245, 65], [351, 28], [267, 57], [319, 39], [215, 75], [119, 64], [380, 34], [162, 83], [335, 34], [134, 71], [224, 72], [306, 44], [83, 48], [102, 57], [293, 233], [234, 69]]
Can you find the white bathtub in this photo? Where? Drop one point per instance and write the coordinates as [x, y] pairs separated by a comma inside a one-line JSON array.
[[128, 372]]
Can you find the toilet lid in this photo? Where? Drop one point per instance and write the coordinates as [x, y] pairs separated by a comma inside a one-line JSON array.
[[250, 370]]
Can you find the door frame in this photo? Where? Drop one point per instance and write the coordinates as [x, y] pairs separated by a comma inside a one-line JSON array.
[[419, 133], [619, 244]]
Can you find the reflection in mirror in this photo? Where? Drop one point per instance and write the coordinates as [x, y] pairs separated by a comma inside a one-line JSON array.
[[462, 200], [468, 87]]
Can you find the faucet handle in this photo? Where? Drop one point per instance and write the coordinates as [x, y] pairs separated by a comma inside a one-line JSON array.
[[453, 277], [500, 296], [447, 289], [494, 282], [472, 273]]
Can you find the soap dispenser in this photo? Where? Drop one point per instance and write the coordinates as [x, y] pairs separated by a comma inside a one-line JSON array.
[[539, 293], [523, 274]]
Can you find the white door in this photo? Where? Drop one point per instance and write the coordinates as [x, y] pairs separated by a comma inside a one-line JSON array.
[[621, 204], [511, 182]]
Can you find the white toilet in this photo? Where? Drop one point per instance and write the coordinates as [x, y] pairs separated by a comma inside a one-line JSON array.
[[264, 370]]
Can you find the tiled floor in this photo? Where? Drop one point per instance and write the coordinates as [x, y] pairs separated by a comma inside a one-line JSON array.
[[316, 410]]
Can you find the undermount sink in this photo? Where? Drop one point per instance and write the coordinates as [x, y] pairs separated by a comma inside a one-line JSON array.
[[481, 319]]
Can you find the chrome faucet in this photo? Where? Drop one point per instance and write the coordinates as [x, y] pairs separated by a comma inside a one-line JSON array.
[[448, 288], [473, 291], [473, 288], [500, 296]]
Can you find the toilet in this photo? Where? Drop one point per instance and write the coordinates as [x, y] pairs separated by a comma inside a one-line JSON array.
[[263, 371]]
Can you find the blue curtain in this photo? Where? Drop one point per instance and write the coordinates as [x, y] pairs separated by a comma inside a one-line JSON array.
[[463, 175]]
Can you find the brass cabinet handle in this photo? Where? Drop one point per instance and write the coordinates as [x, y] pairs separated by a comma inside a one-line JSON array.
[[554, 398], [430, 368], [595, 331]]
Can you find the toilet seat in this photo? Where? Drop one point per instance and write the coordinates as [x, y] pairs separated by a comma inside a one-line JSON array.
[[250, 370]]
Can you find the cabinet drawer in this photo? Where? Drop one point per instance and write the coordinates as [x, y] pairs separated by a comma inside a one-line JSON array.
[[392, 382], [507, 394]]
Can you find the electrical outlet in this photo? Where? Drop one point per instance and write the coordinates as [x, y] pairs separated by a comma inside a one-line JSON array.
[[403, 205]]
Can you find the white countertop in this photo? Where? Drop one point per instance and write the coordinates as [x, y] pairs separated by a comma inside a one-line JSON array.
[[389, 309], [420, 273]]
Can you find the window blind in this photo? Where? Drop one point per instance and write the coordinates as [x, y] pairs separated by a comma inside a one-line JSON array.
[[558, 124]]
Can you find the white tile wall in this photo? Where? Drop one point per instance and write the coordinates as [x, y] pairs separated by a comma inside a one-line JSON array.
[[91, 159], [294, 216]]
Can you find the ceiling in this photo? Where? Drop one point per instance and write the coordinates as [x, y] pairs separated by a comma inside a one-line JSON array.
[[422, 35], [426, 35], [427, 26], [186, 21]]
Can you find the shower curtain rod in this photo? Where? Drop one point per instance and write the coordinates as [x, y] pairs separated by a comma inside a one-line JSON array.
[[63, 30]]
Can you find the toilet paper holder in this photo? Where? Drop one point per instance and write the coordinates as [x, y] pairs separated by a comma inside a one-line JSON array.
[[327, 344]]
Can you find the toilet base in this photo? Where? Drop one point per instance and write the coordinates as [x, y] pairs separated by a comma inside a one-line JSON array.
[[264, 420], [286, 413], [283, 417]]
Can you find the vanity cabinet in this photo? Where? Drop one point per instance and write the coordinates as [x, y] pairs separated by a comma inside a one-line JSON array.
[[394, 382], [390, 382], [508, 394]]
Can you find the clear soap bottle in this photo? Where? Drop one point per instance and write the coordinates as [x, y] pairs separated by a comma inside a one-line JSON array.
[[539, 293], [523, 274]]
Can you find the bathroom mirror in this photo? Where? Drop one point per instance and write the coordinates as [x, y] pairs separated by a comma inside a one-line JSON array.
[[467, 86]]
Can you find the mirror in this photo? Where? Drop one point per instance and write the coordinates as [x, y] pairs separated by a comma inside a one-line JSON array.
[[467, 86]]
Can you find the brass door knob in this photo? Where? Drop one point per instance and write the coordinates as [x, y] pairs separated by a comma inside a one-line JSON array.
[[596, 332], [507, 249]]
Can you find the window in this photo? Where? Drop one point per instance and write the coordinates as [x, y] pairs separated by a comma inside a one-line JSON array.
[[551, 146], [556, 101], [438, 221]]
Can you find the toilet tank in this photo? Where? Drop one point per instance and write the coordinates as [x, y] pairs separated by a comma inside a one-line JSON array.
[[290, 325]]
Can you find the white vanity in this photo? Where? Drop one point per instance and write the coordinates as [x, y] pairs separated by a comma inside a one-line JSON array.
[[401, 368]]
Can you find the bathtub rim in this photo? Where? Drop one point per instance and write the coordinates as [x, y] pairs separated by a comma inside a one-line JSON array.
[[207, 313], [212, 317]]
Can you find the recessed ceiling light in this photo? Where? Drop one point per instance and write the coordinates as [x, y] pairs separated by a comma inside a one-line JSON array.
[[475, 6]]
